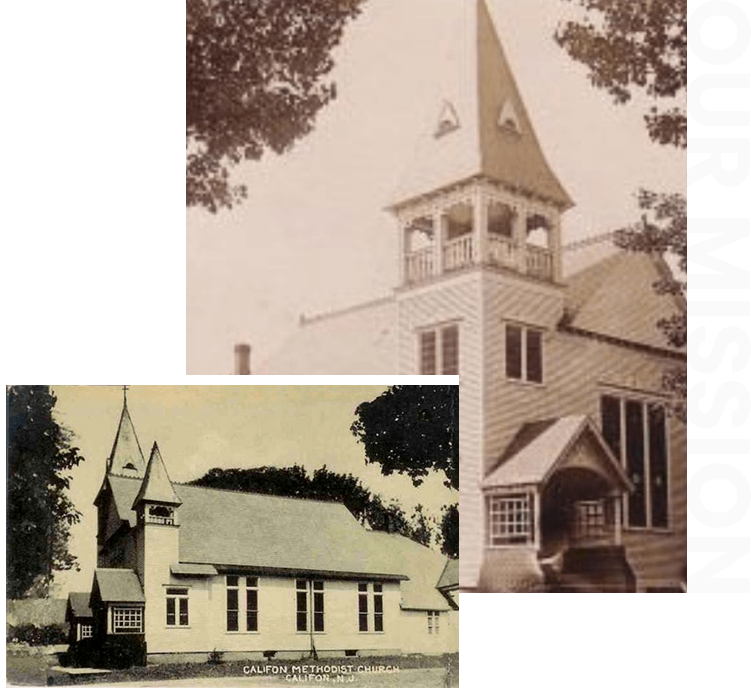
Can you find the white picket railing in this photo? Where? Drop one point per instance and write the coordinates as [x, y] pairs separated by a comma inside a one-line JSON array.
[[458, 253]]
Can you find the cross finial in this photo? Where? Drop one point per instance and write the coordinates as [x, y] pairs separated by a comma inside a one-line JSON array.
[[125, 394]]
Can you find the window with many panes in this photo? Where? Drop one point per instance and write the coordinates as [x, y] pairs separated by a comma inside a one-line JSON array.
[[177, 606], [439, 350], [313, 589], [509, 519], [127, 619], [373, 591], [434, 623], [242, 608], [523, 353], [636, 431], [87, 630]]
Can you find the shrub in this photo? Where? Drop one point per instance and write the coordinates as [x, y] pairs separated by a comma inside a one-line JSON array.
[[216, 657], [122, 652], [37, 635]]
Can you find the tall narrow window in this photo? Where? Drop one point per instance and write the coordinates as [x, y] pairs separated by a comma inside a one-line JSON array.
[[524, 353], [534, 356], [377, 606], [658, 466], [233, 602], [513, 351], [439, 350], [637, 510], [362, 606], [177, 606], [251, 606], [434, 620], [318, 605], [450, 345], [302, 605], [636, 432], [427, 352]]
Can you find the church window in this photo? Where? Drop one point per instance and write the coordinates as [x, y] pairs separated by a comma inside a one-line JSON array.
[[302, 588], [434, 621], [86, 630], [439, 350], [159, 514], [177, 606], [233, 602], [509, 519], [251, 611], [524, 353], [302, 605], [636, 432], [127, 620], [318, 605], [377, 596]]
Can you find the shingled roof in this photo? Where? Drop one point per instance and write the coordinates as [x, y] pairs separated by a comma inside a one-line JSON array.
[[423, 566], [228, 528], [481, 126], [117, 585]]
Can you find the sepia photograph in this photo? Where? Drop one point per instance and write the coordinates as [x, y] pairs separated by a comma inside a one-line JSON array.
[[233, 536], [492, 189]]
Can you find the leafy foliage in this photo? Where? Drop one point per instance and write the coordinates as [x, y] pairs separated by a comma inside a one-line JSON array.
[[663, 230], [635, 43], [52, 634], [629, 44], [255, 80], [450, 531], [412, 430], [365, 506], [40, 514]]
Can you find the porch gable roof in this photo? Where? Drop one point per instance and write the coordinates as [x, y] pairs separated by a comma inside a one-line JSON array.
[[539, 447]]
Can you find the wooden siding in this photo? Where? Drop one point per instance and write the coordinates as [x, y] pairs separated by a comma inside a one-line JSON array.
[[577, 371], [453, 298]]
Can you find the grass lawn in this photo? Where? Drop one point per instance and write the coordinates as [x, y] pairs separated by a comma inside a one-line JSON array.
[[411, 671]]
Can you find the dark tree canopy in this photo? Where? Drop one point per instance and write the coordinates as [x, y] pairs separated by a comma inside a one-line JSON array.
[[628, 44], [347, 489], [255, 74], [39, 514], [412, 430]]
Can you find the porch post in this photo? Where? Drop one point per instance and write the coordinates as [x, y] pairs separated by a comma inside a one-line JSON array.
[[617, 518], [439, 233], [480, 222]]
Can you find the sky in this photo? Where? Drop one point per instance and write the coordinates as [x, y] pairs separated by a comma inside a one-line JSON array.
[[313, 235], [201, 427]]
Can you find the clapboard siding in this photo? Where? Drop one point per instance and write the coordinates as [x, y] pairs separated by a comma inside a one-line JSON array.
[[457, 298], [577, 371]]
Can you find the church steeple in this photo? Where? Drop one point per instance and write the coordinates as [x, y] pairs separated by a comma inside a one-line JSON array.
[[479, 191], [157, 486], [480, 126], [126, 457]]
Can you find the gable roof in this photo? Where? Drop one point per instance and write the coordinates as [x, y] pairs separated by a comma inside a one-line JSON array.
[[480, 92], [538, 448], [423, 566], [449, 579], [156, 485], [357, 340], [78, 604], [228, 528], [615, 298], [126, 449], [117, 585]]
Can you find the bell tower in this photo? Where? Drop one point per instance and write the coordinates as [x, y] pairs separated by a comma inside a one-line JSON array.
[[479, 218]]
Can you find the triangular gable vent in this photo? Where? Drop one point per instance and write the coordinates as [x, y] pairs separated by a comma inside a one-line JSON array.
[[508, 118], [448, 121]]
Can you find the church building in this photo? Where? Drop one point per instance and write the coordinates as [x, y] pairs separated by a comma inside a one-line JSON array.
[[573, 469], [183, 571]]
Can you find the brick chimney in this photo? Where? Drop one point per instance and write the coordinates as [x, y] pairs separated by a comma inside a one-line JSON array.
[[242, 359]]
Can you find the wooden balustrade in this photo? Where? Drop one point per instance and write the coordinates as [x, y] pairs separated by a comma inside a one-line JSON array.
[[458, 253], [419, 265]]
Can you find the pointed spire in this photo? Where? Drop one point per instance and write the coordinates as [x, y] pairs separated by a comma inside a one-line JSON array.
[[156, 486], [493, 136], [126, 457]]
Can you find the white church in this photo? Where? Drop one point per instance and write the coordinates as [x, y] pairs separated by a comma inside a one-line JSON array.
[[573, 470]]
